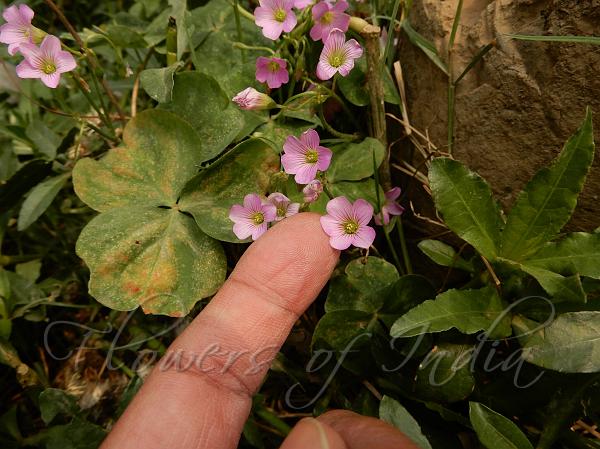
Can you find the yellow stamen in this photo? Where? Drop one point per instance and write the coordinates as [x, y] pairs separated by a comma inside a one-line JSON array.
[[280, 15], [258, 218], [311, 157], [350, 226]]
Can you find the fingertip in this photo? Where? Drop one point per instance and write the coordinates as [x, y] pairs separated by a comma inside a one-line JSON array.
[[310, 433]]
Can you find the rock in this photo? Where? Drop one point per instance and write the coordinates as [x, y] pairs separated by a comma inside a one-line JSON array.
[[517, 107]]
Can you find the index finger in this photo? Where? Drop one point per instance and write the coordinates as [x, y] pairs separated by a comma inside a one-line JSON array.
[[226, 351]]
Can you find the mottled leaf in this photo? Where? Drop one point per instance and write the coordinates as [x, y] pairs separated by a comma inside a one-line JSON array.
[[465, 201], [199, 100], [158, 83], [496, 431], [354, 161], [149, 256], [161, 153], [469, 311], [549, 199], [210, 195]]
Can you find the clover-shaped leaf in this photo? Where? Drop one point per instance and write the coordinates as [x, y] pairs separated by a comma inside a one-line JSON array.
[[210, 195], [142, 249]]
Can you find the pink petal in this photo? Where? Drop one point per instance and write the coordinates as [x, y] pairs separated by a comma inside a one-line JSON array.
[[319, 9], [252, 202], [393, 193], [238, 213], [365, 237], [353, 49], [306, 173], [325, 71], [331, 225], [395, 209], [294, 145], [259, 230], [346, 67], [292, 209], [316, 32], [340, 21], [13, 48], [26, 70], [386, 217], [362, 211], [31, 53], [270, 212], [340, 6], [50, 46], [290, 22], [21, 15], [325, 155], [243, 230], [65, 62], [342, 241], [301, 4], [11, 33], [277, 197], [310, 139], [339, 208], [336, 39], [51, 80]]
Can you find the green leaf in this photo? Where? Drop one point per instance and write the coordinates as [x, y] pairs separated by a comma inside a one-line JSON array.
[[125, 37], [28, 176], [354, 86], [469, 311], [158, 83], [424, 45], [494, 430], [210, 195], [276, 132], [54, 401], [546, 204], [354, 161], [445, 374], [465, 201], [570, 344], [29, 271], [354, 190], [577, 253], [561, 288], [200, 101], [594, 40], [45, 139], [78, 434], [160, 154], [394, 413], [444, 255], [9, 163], [360, 287], [39, 199], [149, 256], [344, 329]]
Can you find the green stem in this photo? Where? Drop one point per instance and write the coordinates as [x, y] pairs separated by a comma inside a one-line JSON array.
[[405, 256], [387, 58], [333, 131], [252, 47], [480, 54], [171, 42], [275, 421], [238, 25]]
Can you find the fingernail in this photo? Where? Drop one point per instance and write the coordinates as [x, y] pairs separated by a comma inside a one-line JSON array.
[[308, 433]]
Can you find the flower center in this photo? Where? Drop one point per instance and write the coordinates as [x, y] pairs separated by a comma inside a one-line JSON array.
[[280, 15], [350, 226], [273, 66], [48, 67], [327, 18], [258, 218], [336, 59], [281, 210], [311, 157]]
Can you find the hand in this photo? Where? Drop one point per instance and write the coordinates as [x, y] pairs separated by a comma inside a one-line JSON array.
[[278, 277]]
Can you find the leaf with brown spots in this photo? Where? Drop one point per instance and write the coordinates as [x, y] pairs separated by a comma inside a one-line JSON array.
[[153, 257], [210, 195], [161, 153]]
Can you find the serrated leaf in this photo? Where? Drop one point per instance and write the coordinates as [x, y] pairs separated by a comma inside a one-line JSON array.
[[210, 195], [549, 199], [149, 256], [494, 430], [469, 311], [199, 100], [570, 344], [394, 413], [577, 253], [465, 201], [38, 200], [161, 153], [354, 161], [444, 255], [158, 83]]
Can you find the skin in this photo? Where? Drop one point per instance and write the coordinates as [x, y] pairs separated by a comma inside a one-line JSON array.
[[206, 405]]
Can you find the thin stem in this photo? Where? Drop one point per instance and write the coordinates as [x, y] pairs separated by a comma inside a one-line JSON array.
[[387, 57], [480, 54], [333, 131], [253, 47], [405, 256], [238, 25]]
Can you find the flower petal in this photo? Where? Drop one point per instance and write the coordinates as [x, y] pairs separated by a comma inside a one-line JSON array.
[[310, 139], [50, 46], [243, 230], [31, 53], [393, 193], [324, 70], [290, 21], [294, 145], [331, 225], [252, 202], [292, 209], [339, 208], [292, 162], [362, 211], [365, 237], [306, 173], [259, 230], [342, 241], [26, 70], [65, 62], [353, 49], [51, 80], [336, 39], [238, 214], [270, 212], [325, 155]]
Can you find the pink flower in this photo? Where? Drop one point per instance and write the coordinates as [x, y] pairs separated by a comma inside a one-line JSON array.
[[252, 218], [285, 207], [391, 207], [337, 55], [18, 29], [303, 157], [301, 4], [347, 224], [272, 71], [46, 62], [275, 17], [328, 17], [252, 99], [312, 191]]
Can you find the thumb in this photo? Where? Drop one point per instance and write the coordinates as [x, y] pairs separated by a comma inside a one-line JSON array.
[[310, 433]]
